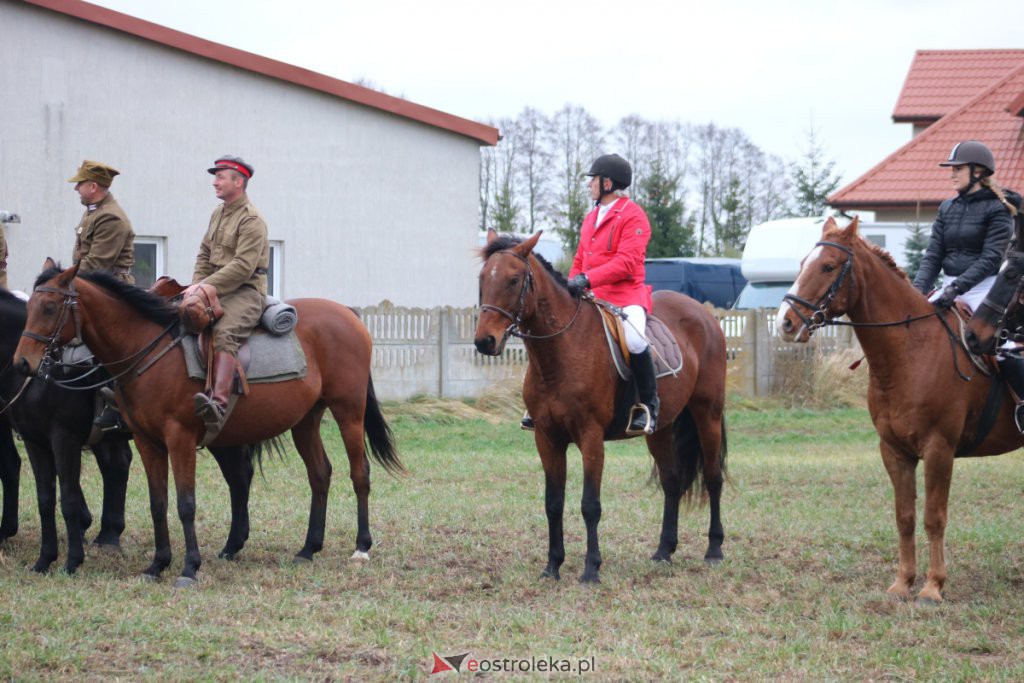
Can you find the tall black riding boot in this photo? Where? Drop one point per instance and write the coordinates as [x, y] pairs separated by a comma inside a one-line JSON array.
[[1012, 370], [644, 416]]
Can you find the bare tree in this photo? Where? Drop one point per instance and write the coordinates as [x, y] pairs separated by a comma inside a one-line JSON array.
[[505, 207], [533, 164], [575, 138]]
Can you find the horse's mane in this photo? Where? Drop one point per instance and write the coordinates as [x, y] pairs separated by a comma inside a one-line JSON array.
[[150, 306], [503, 242], [884, 256]]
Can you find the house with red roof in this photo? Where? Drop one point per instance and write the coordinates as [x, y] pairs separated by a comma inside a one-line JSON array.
[[948, 96], [367, 197]]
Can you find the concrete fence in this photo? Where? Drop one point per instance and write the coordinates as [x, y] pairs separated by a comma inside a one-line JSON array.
[[430, 352]]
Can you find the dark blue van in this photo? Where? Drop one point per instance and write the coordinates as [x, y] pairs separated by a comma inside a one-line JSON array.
[[713, 279]]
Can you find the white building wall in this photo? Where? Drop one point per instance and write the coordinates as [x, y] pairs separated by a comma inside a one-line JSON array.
[[369, 206]]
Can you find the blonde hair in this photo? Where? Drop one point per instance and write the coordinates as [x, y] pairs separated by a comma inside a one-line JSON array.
[[1000, 195]]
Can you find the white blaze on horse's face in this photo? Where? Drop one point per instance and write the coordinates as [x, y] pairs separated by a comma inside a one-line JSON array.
[[795, 290], [494, 271]]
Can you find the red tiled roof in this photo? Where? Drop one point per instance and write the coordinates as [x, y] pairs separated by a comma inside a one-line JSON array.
[[911, 174], [940, 81], [269, 67]]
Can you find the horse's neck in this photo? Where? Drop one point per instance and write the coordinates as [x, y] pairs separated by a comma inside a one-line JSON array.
[[556, 314], [884, 296], [111, 329]]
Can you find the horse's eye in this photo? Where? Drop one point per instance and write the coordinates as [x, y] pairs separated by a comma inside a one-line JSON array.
[[513, 282], [49, 308], [829, 268]]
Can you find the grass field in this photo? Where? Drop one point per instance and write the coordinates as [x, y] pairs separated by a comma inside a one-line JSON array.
[[461, 541]]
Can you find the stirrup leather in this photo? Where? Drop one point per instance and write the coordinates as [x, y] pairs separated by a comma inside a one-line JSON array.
[[640, 410]]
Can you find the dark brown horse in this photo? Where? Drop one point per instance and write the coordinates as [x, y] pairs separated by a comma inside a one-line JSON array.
[[127, 328], [923, 409], [571, 386]]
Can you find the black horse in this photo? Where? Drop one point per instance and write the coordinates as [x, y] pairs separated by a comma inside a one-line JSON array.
[[55, 424]]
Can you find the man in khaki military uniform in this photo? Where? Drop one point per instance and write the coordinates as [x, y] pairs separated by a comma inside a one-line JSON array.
[[104, 239], [233, 258]]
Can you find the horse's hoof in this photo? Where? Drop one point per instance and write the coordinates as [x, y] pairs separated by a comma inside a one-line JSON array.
[[226, 555], [551, 573], [360, 556], [299, 559], [713, 561], [185, 582], [661, 558], [148, 578], [109, 548], [590, 579], [924, 601]]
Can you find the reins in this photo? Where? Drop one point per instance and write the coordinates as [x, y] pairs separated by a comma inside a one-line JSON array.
[[517, 318], [819, 310]]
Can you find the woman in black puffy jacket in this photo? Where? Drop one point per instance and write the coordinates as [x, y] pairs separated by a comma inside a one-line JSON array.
[[971, 231]]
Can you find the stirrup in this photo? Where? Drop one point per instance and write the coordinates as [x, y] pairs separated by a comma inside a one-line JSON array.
[[1018, 417], [209, 410], [636, 413], [526, 424]]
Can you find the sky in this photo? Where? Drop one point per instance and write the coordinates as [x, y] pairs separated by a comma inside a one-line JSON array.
[[772, 69]]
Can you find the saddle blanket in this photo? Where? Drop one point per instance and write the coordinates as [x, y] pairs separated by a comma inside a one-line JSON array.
[[668, 358], [274, 358]]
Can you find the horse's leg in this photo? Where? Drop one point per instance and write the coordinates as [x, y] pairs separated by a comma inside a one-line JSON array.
[[114, 459], [68, 459], [182, 452], [938, 474], [660, 446], [711, 430], [154, 460], [592, 448], [552, 457], [901, 469], [10, 475], [237, 468], [351, 428], [41, 460], [306, 435]]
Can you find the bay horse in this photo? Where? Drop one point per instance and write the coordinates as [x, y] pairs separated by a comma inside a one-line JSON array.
[[999, 315], [571, 385], [920, 404], [129, 331], [55, 424]]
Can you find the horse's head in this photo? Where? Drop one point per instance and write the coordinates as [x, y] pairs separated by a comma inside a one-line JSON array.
[[52, 316], [999, 307], [823, 287], [506, 280]]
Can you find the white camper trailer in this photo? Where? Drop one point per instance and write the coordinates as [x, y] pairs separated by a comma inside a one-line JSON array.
[[774, 250]]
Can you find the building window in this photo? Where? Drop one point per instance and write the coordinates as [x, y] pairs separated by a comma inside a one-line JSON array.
[[149, 261], [274, 273]]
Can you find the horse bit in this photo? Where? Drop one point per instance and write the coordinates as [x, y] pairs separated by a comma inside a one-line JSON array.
[[514, 328]]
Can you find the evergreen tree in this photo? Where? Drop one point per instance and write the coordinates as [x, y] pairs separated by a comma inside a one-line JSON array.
[[914, 248], [671, 233], [812, 179]]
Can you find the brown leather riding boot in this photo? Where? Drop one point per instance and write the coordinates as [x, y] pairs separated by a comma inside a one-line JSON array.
[[213, 408]]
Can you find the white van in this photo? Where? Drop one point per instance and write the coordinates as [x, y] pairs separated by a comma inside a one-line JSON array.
[[774, 250]]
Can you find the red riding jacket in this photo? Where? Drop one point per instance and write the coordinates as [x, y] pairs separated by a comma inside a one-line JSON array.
[[612, 254]]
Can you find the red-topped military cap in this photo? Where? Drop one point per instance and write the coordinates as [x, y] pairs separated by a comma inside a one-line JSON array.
[[232, 163]]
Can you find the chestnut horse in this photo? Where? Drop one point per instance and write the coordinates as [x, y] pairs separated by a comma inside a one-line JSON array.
[[129, 331], [571, 385], [920, 403]]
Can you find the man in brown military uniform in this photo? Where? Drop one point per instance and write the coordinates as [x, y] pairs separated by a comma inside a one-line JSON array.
[[104, 237], [233, 258]]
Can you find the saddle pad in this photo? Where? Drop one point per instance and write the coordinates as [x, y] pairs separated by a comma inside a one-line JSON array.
[[668, 359], [274, 358]]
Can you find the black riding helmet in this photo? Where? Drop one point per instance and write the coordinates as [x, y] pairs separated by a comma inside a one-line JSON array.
[[613, 167], [973, 154]]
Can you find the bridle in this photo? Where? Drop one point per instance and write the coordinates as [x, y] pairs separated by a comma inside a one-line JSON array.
[[1004, 311], [819, 310], [515, 327], [69, 306]]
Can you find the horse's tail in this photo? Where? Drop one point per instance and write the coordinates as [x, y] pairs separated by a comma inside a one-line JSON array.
[[690, 454], [379, 435], [273, 446]]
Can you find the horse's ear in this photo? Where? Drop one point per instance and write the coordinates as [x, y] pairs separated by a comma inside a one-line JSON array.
[[48, 264], [68, 275], [527, 246], [830, 224], [492, 235], [853, 229]]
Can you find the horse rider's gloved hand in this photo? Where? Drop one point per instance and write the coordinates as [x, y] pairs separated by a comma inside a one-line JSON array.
[[579, 284], [949, 294]]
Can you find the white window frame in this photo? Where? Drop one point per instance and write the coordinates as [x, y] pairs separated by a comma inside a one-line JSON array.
[[276, 261], [160, 267]]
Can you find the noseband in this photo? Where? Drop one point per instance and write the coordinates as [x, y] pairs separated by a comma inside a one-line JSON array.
[[515, 328], [819, 310], [69, 304]]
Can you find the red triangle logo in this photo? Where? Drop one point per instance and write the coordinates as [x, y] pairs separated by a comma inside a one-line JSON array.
[[440, 665]]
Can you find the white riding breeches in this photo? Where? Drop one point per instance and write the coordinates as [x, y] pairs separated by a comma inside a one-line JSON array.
[[974, 296], [635, 324]]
